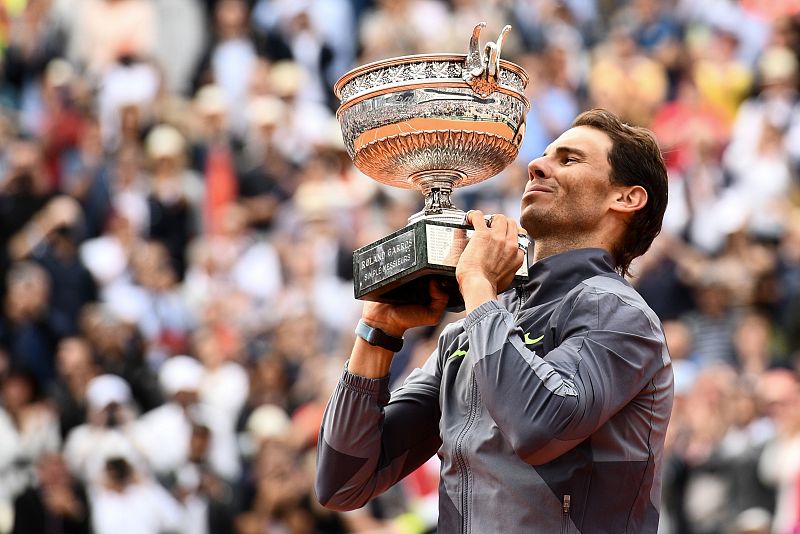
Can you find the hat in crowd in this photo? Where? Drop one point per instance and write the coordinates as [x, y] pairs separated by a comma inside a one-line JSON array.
[[266, 110], [107, 389], [753, 520], [164, 141], [211, 100], [268, 422], [180, 373], [777, 63], [59, 72], [286, 77]]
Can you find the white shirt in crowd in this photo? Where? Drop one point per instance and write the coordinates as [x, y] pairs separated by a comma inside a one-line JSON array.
[[141, 508]]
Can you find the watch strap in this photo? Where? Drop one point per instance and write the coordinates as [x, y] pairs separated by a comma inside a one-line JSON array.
[[377, 337]]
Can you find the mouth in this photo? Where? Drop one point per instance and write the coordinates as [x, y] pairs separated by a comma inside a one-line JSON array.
[[536, 189]]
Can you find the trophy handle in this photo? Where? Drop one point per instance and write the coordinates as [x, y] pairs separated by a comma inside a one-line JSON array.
[[482, 70], [474, 61]]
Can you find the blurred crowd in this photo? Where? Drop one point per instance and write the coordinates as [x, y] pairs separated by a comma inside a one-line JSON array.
[[178, 214]]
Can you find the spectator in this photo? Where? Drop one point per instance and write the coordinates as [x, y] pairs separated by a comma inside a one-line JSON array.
[[109, 29], [125, 500], [264, 183], [36, 37], [28, 431], [52, 241], [779, 465], [25, 188], [164, 433], [117, 348], [56, 503], [151, 302], [108, 424], [225, 385], [230, 60], [127, 92], [207, 499], [713, 323], [175, 195], [626, 81], [29, 330], [76, 368], [215, 152], [180, 41]]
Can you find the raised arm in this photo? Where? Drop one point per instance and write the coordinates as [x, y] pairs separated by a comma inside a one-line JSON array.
[[368, 442]]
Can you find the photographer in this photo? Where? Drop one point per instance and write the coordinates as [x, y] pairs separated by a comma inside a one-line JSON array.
[[110, 414], [124, 500]]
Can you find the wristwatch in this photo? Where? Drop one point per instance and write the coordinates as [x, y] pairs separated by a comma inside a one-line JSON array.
[[378, 338]]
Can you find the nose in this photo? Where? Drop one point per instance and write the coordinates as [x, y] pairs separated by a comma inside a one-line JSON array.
[[537, 168]]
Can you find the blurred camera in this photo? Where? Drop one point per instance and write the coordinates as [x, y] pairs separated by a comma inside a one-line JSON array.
[[119, 470]]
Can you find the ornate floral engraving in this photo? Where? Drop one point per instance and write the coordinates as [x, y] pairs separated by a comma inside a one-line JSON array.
[[417, 70], [455, 70], [440, 69], [423, 70]]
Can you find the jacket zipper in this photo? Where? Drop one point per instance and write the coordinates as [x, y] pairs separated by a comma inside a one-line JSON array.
[[461, 461], [521, 298], [565, 514]]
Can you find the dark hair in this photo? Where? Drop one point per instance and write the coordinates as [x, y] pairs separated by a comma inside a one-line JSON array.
[[635, 159]]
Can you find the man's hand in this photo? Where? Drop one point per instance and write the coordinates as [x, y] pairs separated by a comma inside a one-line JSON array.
[[373, 362], [396, 319], [490, 259]]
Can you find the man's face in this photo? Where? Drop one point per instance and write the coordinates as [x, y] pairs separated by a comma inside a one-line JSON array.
[[568, 189]]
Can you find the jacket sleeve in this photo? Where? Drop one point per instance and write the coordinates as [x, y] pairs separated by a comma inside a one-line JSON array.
[[609, 348], [368, 442]]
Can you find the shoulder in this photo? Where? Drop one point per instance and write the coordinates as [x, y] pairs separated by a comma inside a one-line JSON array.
[[613, 286], [608, 301]]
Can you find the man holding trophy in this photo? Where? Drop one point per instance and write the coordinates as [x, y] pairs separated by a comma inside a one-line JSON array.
[[548, 404]]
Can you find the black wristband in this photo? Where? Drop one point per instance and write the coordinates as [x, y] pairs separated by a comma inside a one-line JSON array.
[[378, 338]]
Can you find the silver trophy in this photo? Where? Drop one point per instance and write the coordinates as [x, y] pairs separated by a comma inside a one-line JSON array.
[[430, 122]]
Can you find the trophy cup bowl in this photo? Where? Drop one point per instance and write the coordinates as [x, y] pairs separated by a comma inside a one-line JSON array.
[[429, 122]]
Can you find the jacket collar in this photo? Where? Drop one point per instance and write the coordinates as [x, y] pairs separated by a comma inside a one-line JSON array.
[[553, 277]]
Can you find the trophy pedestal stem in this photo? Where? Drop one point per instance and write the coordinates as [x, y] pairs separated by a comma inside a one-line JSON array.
[[437, 187]]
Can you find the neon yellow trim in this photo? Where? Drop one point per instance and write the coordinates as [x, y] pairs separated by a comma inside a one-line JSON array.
[[529, 341], [457, 354]]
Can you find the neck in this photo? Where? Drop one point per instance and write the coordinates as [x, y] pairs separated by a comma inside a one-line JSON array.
[[550, 246]]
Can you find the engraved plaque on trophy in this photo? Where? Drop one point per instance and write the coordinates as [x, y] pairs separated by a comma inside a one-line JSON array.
[[433, 123]]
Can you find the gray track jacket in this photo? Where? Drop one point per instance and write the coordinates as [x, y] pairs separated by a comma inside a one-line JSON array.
[[548, 412]]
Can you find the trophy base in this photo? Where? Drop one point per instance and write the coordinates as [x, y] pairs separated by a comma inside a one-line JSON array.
[[396, 269]]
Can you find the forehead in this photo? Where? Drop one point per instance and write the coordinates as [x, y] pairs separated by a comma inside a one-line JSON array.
[[595, 143]]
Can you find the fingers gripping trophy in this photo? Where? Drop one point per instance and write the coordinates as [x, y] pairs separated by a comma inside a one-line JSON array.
[[433, 123]]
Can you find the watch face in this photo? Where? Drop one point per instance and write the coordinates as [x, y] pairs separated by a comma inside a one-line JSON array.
[[378, 338], [372, 336]]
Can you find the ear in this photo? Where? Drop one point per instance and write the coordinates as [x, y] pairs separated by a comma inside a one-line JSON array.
[[628, 199]]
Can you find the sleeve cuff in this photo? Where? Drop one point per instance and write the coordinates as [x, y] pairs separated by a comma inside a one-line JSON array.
[[487, 308], [377, 388]]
